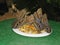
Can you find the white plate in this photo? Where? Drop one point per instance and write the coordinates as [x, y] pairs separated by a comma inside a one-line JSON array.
[[31, 35]]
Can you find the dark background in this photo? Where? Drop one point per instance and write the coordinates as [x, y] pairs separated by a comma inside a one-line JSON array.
[[51, 7]]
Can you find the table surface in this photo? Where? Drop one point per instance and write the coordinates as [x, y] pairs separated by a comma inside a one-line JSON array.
[[8, 37]]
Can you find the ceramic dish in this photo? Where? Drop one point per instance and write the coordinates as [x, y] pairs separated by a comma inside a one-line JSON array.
[[31, 35]]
